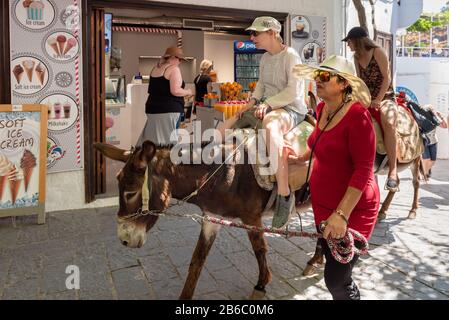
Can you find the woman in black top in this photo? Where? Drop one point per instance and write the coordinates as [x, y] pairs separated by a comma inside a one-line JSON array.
[[201, 82], [165, 102]]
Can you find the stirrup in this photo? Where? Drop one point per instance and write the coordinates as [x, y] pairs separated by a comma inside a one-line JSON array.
[[392, 185]]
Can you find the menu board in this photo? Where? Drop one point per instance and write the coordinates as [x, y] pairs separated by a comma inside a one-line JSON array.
[[23, 154], [45, 69]]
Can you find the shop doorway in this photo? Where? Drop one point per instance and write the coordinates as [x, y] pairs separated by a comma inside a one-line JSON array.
[[102, 84]]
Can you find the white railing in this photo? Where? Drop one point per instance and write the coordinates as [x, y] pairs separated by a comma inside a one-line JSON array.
[[425, 52]]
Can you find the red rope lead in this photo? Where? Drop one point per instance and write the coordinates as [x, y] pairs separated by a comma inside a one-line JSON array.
[[343, 250]]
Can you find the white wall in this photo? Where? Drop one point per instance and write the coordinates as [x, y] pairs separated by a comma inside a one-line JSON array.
[[219, 48], [327, 8], [65, 191], [427, 78]]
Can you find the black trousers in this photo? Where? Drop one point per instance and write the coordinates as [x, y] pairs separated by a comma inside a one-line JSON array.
[[338, 276]]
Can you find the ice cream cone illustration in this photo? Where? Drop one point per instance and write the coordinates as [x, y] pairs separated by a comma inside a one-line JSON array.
[[61, 39], [70, 44], [5, 168], [18, 72], [40, 72], [54, 45], [27, 163], [29, 66], [2, 186], [15, 179]]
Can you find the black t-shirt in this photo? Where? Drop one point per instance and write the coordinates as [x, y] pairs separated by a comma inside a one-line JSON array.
[[201, 82]]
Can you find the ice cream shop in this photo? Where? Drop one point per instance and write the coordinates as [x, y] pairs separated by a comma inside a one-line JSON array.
[[86, 64]]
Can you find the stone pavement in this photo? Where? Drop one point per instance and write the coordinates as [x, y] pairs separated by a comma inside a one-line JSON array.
[[407, 260]]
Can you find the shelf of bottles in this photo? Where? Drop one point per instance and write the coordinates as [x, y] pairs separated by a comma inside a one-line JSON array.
[[247, 68]]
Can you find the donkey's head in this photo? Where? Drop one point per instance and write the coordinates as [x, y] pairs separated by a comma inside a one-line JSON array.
[[131, 227]]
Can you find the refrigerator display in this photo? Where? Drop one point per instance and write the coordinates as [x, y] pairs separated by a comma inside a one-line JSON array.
[[246, 63]]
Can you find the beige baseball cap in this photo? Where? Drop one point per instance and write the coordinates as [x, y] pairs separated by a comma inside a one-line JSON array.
[[264, 24]]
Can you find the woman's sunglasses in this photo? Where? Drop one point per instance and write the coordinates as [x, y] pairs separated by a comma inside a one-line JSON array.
[[324, 76]]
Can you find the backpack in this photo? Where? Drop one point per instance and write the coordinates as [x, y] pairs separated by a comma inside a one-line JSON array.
[[426, 119]]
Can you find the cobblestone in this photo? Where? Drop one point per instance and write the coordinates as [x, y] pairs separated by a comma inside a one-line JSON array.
[[407, 258]]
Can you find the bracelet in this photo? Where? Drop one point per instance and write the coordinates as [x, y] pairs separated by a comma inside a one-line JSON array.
[[342, 215]]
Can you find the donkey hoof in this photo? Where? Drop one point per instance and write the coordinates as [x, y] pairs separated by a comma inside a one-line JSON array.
[[381, 216], [309, 270], [412, 214], [257, 294]]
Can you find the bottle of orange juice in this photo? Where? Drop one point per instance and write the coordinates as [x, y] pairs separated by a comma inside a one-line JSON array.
[[220, 106], [227, 110]]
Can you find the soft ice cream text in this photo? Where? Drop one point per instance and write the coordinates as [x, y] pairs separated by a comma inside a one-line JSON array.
[[14, 135]]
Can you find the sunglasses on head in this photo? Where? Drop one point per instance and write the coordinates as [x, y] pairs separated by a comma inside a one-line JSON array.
[[324, 76]]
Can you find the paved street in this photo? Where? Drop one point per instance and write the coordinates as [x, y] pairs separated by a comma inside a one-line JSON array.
[[407, 260]]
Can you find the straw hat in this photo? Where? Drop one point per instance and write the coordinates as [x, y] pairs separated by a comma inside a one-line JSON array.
[[174, 52], [345, 69]]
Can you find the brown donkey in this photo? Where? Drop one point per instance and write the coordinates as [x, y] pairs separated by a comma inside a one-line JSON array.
[[232, 192]]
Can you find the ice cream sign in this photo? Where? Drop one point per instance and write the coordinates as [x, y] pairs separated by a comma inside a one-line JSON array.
[[61, 46], [34, 14], [13, 135], [21, 147], [30, 75]]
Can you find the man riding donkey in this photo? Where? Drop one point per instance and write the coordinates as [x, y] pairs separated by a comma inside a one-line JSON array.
[[277, 105]]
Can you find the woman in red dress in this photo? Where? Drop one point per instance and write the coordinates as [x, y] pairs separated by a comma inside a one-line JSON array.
[[343, 190]]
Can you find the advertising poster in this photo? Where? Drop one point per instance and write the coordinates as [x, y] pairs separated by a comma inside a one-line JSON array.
[[308, 37], [23, 152], [45, 69]]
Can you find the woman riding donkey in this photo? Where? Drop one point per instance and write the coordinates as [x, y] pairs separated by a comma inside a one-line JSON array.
[[372, 67], [343, 190], [277, 105]]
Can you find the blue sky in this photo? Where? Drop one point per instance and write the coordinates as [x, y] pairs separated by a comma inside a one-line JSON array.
[[433, 5]]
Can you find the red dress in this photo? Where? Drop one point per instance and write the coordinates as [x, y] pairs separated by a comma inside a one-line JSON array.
[[343, 157]]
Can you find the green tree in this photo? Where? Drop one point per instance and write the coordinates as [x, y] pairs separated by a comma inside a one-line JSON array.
[[424, 24]]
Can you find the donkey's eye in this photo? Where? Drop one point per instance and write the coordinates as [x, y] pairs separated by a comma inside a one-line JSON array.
[[129, 194]]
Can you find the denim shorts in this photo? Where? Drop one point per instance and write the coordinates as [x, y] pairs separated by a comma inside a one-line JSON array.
[[295, 115], [430, 152]]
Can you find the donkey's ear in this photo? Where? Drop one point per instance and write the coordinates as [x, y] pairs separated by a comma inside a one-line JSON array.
[[112, 152], [148, 152]]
